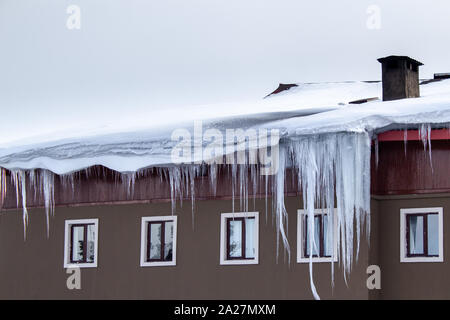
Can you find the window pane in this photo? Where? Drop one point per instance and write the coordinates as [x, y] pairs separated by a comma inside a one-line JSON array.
[[316, 236], [168, 240], [433, 234], [249, 238], [235, 238], [77, 243], [416, 235], [90, 243], [155, 241], [327, 242]]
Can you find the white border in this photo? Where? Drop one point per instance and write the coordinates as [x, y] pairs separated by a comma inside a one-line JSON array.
[[403, 213], [300, 257], [67, 263], [223, 253], [144, 241]]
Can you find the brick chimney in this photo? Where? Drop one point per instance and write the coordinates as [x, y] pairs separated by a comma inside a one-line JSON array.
[[400, 77]]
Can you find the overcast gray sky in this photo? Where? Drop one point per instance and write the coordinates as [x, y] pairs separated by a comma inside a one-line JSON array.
[[141, 54]]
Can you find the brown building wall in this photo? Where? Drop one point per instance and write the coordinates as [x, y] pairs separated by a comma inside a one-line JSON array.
[[424, 280], [33, 269], [411, 172], [374, 245]]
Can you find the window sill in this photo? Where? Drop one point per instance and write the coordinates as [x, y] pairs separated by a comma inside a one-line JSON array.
[[158, 264], [317, 260], [80, 265], [239, 262], [421, 259]]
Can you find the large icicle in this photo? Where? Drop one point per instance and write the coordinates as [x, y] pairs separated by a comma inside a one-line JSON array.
[[280, 209], [341, 163], [425, 136]]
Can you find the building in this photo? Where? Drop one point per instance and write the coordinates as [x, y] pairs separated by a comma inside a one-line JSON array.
[[132, 237]]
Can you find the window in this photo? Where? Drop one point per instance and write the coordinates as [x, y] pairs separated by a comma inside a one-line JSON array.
[[158, 241], [81, 243], [239, 238], [324, 244], [421, 232]]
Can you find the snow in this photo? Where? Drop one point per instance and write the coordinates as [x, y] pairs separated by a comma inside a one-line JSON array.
[[127, 146], [432, 107]]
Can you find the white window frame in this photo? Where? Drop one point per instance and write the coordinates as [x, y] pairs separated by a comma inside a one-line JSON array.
[[144, 244], [300, 258], [223, 240], [403, 242], [67, 240]]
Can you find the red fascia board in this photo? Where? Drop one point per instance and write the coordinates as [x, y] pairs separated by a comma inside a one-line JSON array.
[[399, 135]]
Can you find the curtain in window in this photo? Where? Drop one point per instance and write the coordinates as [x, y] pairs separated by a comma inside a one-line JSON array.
[[155, 241], [90, 243], [416, 235], [78, 243], [249, 238], [168, 240], [235, 238], [433, 234]]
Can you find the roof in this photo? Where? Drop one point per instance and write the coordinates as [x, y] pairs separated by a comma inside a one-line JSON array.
[[398, 58], [283, 87], [308, 109], [442, 75]]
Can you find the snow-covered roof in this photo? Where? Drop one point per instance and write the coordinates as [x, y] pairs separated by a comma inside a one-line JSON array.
[[128, 142]]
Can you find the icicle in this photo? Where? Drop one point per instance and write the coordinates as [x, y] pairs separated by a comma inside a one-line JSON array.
[[68, 180], [307, 162], [266, 190], [280, 209], [33, 183], [47, 184], [213, 178], [429, 146], [425, 136], [405, 139], [233, 183], [2, 186], [129, 179], [243, 187], [192, 175], [347, 158], [376, 151], [254, 176], [19, 180], [174, 180]]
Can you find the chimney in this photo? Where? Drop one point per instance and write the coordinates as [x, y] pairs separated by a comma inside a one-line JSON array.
[[400, 77]]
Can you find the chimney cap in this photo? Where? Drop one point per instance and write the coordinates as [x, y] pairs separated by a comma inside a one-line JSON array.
[[399, 58]]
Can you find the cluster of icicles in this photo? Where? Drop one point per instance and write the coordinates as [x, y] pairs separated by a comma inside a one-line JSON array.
[[333, 173]]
